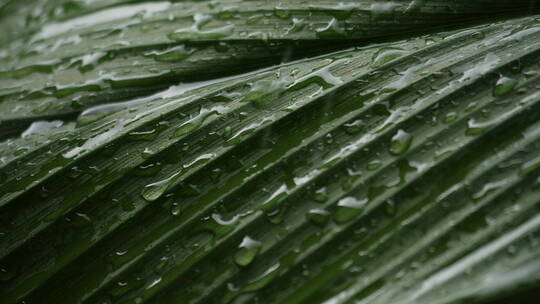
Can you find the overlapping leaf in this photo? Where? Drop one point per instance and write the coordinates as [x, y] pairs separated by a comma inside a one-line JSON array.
[[76, 54]]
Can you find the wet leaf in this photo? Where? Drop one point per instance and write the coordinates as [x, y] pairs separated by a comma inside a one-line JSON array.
[[269, 151]]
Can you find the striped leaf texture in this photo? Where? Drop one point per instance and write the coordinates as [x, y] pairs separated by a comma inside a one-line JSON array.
[[261, 151]]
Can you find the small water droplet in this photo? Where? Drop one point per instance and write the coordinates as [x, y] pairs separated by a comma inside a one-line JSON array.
[[329, 139], [175, 208]]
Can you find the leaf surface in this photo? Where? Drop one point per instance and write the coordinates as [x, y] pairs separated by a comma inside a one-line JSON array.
[[402, 171]]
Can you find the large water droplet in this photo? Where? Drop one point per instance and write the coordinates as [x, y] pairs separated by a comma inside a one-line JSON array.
[[374, 165], [195, 31], [153, 191], [174, 54], [354, 126], [385, 55], [400, 142], [530, 166], [331, 30], [264, 92], [263, 279], [323, 77], [282, 13], [143, 135], [383, 9], [195, 122], [318, 216], [320, 195], [41, 127], [348, 208], [147, 153], [475, 127], [248, 250], [504, 85]]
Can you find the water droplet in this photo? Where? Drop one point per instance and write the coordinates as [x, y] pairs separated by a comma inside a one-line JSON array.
[[298, 25], [385, 55], [490, 61], [400, 142], [243, 133], [354, 126], [322, 77], [153, 191], [147, 153], [89, 61], [249, 248], [282, 13], [318, 216], [474, 127], [234, 290], [41, 127], [195, 31], [374, 165], [530, 166], [488, 188], [102, 16], [504, 85], [348, 208], [142, 135], [262, 280], [450, 117], [320, 195], [218, 225], [154, 282], [264, 92], [175, 209], [340, 10], [194, 123], [174, 54], [185, 128], [331, 30]]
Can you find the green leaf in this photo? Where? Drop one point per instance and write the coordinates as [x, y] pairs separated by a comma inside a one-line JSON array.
[[255, 163], [102, 51]]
